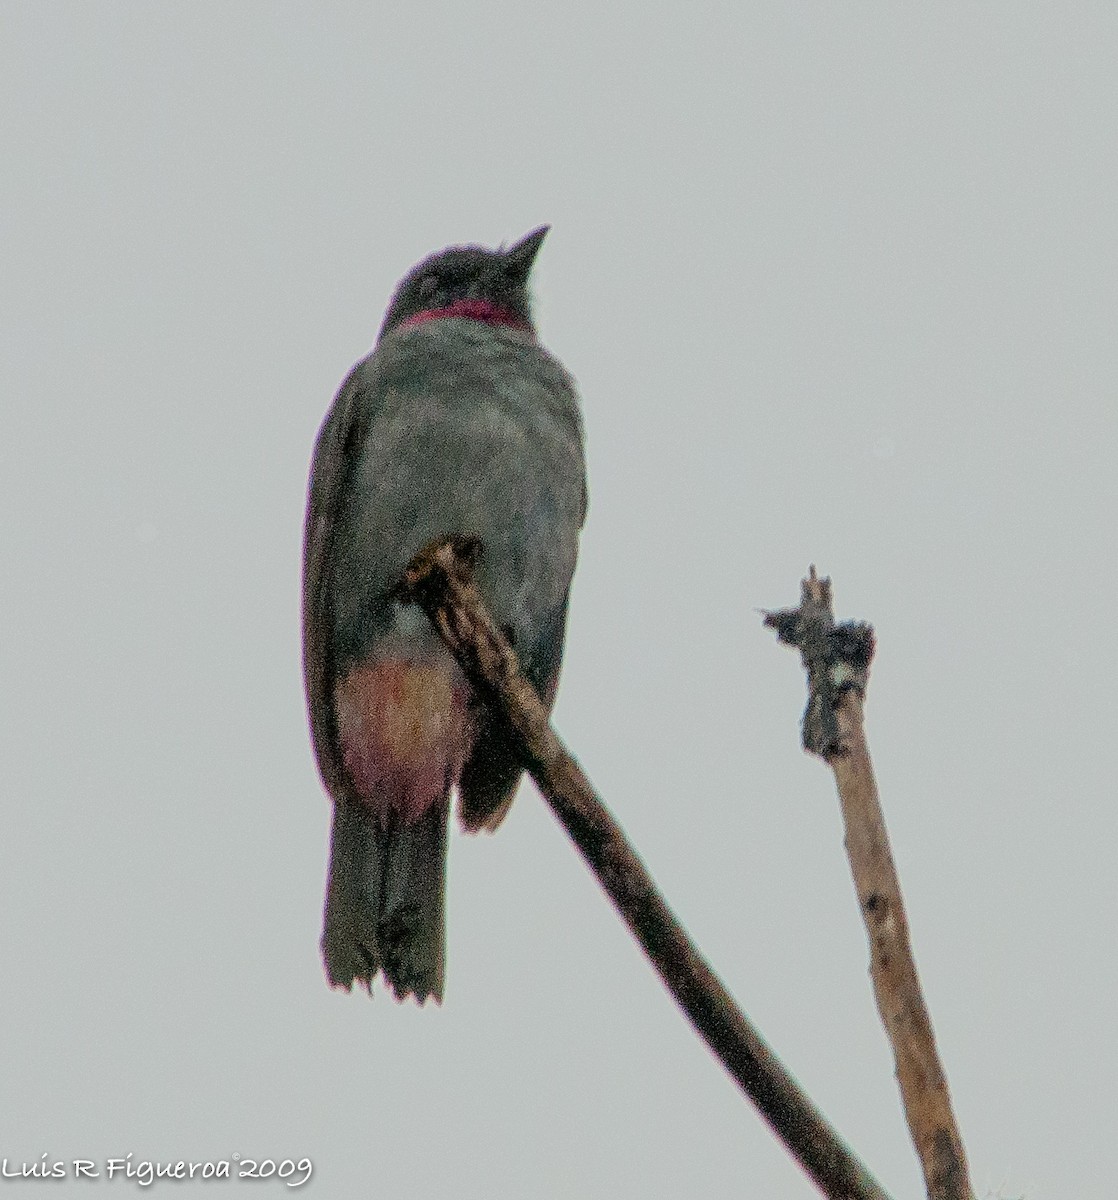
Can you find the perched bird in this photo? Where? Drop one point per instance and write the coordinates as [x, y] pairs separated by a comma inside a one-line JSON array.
[[459, 422]]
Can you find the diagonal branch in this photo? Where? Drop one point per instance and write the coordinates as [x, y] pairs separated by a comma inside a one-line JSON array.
[[837, 659], [439, 579]]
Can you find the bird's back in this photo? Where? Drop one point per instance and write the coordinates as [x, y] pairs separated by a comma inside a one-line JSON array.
[[463, 428]]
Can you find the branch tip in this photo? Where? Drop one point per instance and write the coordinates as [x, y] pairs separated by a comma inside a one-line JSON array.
[[836, 657], [440, 565]]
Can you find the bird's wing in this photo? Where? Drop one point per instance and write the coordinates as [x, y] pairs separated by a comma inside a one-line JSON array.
[[492, 772], [330, 468]]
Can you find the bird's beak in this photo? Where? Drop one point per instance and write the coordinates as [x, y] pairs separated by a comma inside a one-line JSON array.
[[520, 256]]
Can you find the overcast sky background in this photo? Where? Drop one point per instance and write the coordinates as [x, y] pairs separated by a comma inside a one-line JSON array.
[[838, 284]]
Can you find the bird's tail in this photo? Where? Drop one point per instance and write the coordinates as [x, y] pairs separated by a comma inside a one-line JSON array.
[[385, 900]]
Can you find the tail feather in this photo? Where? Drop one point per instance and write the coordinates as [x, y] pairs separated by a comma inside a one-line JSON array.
[[350, 939], [385, 901], [413, 905]]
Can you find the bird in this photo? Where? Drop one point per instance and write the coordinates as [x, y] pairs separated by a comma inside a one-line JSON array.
[[458, 423]]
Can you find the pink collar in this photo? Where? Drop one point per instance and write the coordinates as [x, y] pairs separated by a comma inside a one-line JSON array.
[[472, 310]]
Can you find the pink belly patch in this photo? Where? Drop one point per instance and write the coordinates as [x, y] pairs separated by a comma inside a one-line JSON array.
[[405, 733]]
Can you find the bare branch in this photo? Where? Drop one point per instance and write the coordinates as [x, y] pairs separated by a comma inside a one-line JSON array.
[[439, 579], [837, 659]]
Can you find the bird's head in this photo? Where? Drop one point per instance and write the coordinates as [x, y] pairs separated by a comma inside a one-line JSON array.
[[468, 281]]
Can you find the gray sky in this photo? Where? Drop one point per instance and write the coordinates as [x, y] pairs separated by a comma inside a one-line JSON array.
[[838, 285]]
